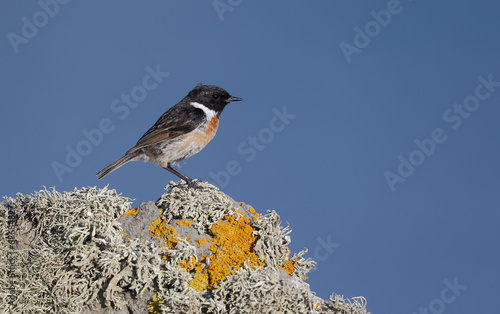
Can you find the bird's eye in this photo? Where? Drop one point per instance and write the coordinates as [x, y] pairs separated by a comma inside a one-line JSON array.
[[215, 96]]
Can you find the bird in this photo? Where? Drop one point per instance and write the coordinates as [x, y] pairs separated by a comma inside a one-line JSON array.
[[181, 132]]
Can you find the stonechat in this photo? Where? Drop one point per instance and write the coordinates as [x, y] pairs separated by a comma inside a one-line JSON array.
[[180, 132]]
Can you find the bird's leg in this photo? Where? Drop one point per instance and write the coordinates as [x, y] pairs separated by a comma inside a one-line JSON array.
[[188, 180]]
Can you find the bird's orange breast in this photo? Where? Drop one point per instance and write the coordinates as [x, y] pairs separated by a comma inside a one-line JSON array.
[[207, 133]]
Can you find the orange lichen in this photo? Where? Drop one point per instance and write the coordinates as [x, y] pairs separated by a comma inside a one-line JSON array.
[[288, 267], [161, 230], [201, 242], [255, 215], [232, 247], [132, 211], [200, 267], [188, 263], [184, 222], [242, 216]]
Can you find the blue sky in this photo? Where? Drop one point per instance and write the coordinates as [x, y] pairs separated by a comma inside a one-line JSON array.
[[370, 126]]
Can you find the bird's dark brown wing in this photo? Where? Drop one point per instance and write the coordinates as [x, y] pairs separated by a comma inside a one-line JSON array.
[[177, 121]]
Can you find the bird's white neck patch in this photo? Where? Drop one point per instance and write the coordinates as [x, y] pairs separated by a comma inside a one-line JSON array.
[[208, 112]]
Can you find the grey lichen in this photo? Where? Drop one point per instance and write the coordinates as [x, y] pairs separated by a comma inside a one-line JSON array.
[[204, 206], [76, 252]]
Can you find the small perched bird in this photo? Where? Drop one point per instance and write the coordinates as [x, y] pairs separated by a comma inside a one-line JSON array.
[[180, 132]]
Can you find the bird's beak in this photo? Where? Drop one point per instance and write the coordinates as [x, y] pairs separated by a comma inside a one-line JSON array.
[[232, 98]]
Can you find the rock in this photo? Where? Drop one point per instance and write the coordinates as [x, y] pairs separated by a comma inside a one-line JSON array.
[[195, 250]]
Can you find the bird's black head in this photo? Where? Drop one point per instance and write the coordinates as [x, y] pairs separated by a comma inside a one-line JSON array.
[[211, 96]]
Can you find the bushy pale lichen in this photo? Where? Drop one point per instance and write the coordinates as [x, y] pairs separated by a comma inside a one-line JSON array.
[[240, 238], [194, 251]]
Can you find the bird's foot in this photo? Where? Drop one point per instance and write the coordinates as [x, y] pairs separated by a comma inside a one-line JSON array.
[[195, 183]]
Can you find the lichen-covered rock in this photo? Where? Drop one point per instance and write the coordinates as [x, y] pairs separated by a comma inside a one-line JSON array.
[[192, 251]]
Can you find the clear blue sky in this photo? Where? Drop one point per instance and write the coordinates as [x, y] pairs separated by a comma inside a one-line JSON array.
[[371, 126]]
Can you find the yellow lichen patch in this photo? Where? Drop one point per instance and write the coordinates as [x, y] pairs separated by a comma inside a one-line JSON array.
[[255, 215], [200, 267], [184, 222], [288, 267], [242, 218], [132, 211], [199, 281], [232, 247], [188, 263], [201, 242], [171, 237], [161, 230], [154, 306]]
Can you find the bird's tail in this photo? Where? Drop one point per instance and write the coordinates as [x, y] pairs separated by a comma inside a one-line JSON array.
[[117, 164]]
